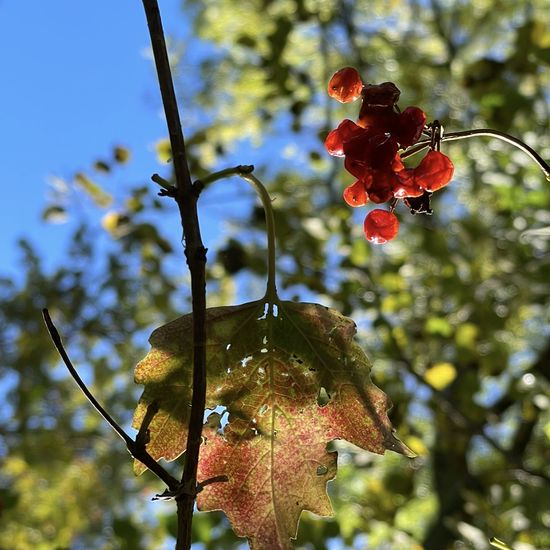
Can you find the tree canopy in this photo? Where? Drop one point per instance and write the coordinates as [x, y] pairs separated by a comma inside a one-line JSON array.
[[454, 313]]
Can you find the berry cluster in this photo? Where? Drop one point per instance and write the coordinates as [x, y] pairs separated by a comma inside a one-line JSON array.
[[372, 147]]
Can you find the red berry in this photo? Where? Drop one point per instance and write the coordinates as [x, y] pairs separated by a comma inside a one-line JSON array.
[[407, 185], [355, 194], [434, 172], [334, 143], [380, 185], [409, 126], [345, 85], [380, 226], [371, 150]]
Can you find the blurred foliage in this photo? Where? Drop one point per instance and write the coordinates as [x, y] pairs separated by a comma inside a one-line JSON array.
[[454, 313]]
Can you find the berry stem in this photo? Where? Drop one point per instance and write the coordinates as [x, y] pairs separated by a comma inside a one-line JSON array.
[[454, 136]]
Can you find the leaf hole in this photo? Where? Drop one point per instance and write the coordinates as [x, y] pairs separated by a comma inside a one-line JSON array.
[[321, 470], [323, 397], [217, 418], [265, 313]]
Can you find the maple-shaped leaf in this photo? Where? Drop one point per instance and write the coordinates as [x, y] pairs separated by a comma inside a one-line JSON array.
[[290, 379]]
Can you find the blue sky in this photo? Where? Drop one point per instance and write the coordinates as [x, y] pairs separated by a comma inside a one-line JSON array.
[[76, 81]]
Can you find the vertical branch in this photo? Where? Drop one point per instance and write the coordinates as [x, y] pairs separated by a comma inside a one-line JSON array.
[[195, 253]]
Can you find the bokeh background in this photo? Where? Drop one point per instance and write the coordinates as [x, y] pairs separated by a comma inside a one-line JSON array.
[[454, 312]]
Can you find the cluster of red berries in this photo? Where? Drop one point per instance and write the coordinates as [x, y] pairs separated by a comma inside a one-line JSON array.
[[372, 147]]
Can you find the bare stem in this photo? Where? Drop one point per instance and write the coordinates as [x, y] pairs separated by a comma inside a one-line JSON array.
[[137, 447], [195, 253]]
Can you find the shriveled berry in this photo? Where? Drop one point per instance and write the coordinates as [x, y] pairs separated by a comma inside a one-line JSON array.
[[378, 119], [434, 172], [380, 226], [381, 95], [355, 194], [380, 185], [345, 85]]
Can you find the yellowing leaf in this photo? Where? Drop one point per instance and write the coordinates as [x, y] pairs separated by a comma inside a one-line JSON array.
[[110, 221], [163, 150], [268, 365], [417, 445], [466, 335], [116, 223], [121, 154], [55, 214], [440, 375], [100, 197], [438, 325]]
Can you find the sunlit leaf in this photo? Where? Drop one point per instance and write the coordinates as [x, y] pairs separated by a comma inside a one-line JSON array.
[[542, 232], [440, 375], [55, 214], [95, 192], [267, 369], [163, 150], [121, 154], [102, 166]]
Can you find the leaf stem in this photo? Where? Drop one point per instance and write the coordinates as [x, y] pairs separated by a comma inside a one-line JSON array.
[[136, 448], [271, 292], [245, 172], [487, 132]]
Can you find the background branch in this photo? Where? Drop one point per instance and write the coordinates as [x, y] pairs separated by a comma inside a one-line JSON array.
[[137, 447]]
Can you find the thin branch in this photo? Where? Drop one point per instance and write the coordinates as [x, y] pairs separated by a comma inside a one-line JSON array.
[[136, 448], [487, 132], [195, 253]]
